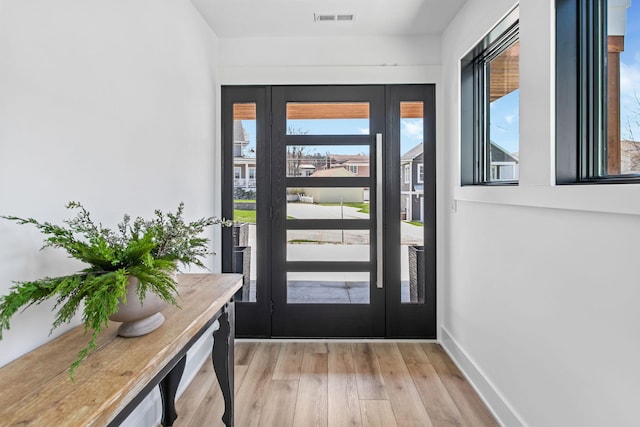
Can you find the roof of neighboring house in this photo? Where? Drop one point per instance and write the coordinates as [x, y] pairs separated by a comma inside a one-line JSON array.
[[333, 172], [344, 158], [499, 154], [412, 154], [239, 134]]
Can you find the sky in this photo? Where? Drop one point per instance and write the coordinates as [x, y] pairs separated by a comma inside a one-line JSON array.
[[504, 126], [410, 133], [630, 75]]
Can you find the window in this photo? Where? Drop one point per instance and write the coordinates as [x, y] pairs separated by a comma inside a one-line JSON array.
[[237, 174], [420, 178], [407, 174], [252, 173], [490, 84], [597, 91], [353, 169]]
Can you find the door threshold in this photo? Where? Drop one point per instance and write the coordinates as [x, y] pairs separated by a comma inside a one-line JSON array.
[[341, 340]]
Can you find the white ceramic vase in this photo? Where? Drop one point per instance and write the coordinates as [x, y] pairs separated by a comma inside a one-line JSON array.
[[139, 319]]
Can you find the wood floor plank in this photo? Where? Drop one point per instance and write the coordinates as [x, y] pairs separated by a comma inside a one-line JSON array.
[[344, 404], [377, 413], [438, 402], [244, 351], [368, 376], [191, 400], [280, 407], [210, 410], [252, 393], [413, 354], [239, 374], [405, 399], [316, 347], [419, 382], [202, 403], [311, 406], [473, 410], [289, 361]]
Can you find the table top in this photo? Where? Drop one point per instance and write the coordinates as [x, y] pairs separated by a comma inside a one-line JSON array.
[[35, 389]]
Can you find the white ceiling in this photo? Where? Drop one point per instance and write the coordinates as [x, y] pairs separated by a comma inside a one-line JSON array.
[[295, 18]]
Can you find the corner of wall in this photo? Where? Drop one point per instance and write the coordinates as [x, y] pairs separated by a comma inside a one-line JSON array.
[[494, 400]]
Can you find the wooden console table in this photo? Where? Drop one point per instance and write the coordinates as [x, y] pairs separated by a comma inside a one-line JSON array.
[[36, 390]]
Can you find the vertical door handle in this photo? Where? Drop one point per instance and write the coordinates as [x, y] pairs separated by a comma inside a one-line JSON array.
[[379, 209]]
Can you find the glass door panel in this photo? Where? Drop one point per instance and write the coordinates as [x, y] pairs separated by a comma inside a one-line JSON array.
[[327, 118], [318, 161], [346, 203], [245, 208], [325, 287], [412, 202]]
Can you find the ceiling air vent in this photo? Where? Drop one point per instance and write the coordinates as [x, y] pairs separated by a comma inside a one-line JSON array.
[[334, 17]]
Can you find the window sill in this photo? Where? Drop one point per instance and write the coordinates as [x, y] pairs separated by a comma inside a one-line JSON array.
[[614, 198]]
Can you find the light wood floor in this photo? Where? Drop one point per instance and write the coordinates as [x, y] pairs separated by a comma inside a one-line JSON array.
[[337, 384]]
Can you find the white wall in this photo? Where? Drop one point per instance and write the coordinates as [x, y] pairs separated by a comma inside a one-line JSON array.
[[112, 103], [541, 285], [327, 60]]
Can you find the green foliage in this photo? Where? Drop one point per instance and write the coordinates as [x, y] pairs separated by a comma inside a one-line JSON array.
[[240, 193], [175, 239], [147, 250]]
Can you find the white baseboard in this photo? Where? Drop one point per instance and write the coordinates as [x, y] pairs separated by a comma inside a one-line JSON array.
[[496, 403]]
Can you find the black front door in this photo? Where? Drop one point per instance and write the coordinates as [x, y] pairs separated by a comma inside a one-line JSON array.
[[325, 220], [336, 186]]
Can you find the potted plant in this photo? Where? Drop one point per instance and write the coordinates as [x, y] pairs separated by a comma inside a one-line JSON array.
[[139, 259]]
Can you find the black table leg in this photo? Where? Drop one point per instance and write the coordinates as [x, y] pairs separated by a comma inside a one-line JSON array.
[[223, 344], [168, 389]]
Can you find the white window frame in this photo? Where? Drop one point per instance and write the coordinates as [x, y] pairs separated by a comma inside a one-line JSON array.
[[420, 177], [407, 173]]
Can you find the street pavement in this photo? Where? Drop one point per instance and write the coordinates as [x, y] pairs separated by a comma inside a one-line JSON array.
[[332, 287]]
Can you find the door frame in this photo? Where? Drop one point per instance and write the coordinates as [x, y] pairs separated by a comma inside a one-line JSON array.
[[254, 319]]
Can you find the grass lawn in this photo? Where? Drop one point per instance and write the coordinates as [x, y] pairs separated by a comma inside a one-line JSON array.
[[362, 207], [244, 201], [416, 223], [241, 215]]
